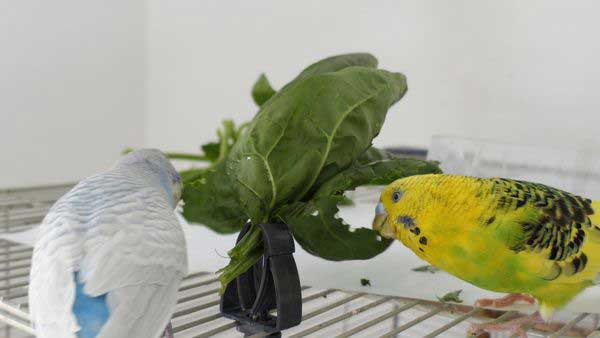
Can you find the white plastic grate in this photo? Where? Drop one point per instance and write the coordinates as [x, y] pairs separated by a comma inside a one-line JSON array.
[[326, 312]]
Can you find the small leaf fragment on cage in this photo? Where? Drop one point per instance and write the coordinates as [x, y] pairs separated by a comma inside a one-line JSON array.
[[453, 296], [426, 268]]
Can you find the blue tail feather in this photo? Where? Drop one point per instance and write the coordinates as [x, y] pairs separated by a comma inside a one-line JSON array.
[[91, 312]]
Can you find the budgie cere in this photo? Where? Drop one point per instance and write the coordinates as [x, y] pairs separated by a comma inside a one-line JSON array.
[[498, 234], [111, 254]]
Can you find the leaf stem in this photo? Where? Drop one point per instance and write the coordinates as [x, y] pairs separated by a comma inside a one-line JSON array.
[[243, 256], [183, 156]]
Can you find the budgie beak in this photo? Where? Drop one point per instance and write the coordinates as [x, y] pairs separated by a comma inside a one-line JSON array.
[[381, 224]]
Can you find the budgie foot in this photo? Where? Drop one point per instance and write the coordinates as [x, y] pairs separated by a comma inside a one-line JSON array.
[[169, 331], [505, 301], [517, 327]]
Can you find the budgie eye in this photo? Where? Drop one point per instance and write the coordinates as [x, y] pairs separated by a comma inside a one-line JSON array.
[[396, 196]]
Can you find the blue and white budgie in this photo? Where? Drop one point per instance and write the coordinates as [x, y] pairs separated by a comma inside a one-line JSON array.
[[111, 254]]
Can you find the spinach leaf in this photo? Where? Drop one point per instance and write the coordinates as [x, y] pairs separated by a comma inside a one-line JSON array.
[[211, 200], [190, 175], [262, 90], [248, 180], [309, 142], [337, 63], [334, 64], [319, 231], [211, 151], [209, 196], [379, 172], [309, 132]]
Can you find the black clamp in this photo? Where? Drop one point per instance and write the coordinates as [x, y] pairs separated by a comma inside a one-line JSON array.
[[271, 284]]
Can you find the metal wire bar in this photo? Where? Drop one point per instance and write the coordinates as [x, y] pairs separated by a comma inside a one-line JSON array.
[[453, 323], [18, 294], [195, 285], [26, 249], [341, 317], [306, 299], [196, 274], [30, 211], [217, 330], [568, 326], [198, 295], [323, 293], [332, 305], [14, 286], [15, 259], [13, 203], [413, 322], [379, 319], [17, 324], [496, 320], [15, 311], [20, 275], [195, 308], [197, 322], [5, 244]]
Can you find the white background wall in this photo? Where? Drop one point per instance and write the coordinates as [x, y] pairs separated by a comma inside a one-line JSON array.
[[80, 78], [521, 71], [72, 86]]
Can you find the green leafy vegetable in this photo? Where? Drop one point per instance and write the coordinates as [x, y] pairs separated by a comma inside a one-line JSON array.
[[453, 296], [426, 268], [307, 133], [211, 151], [262, 90], [308, 144], [219, 209], [345, 201], [338, 62], [314, 223], [365, 282]]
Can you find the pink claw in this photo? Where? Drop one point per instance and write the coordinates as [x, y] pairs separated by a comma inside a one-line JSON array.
[[169, 331], [515, 327], [505, 301]]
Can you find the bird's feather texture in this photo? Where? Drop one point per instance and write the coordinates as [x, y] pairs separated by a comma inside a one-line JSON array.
[[500, 234], [120, 234]]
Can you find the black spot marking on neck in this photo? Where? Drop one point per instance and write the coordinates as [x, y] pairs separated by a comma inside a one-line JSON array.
[[423, 240], [407, 221], [415, 231]]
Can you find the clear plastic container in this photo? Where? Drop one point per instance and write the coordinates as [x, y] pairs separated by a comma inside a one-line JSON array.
[[576, 170]]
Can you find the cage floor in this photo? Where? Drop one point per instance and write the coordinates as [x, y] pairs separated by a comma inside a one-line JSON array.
[[326, 312]]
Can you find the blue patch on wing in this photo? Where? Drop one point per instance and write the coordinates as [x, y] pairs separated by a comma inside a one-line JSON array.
[[408, 222], [91, 312]]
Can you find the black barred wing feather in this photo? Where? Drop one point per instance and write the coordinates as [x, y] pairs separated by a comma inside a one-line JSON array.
[[559, 229]]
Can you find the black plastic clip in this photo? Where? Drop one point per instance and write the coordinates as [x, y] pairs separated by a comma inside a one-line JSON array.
[[272, 283]]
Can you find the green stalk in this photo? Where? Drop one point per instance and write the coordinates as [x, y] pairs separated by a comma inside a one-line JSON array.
[[240, 130], [182, 156], [243, 256], [175, 156], [245, 245]]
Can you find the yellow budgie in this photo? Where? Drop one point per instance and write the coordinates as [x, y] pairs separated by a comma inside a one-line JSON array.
[[498, 234]]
